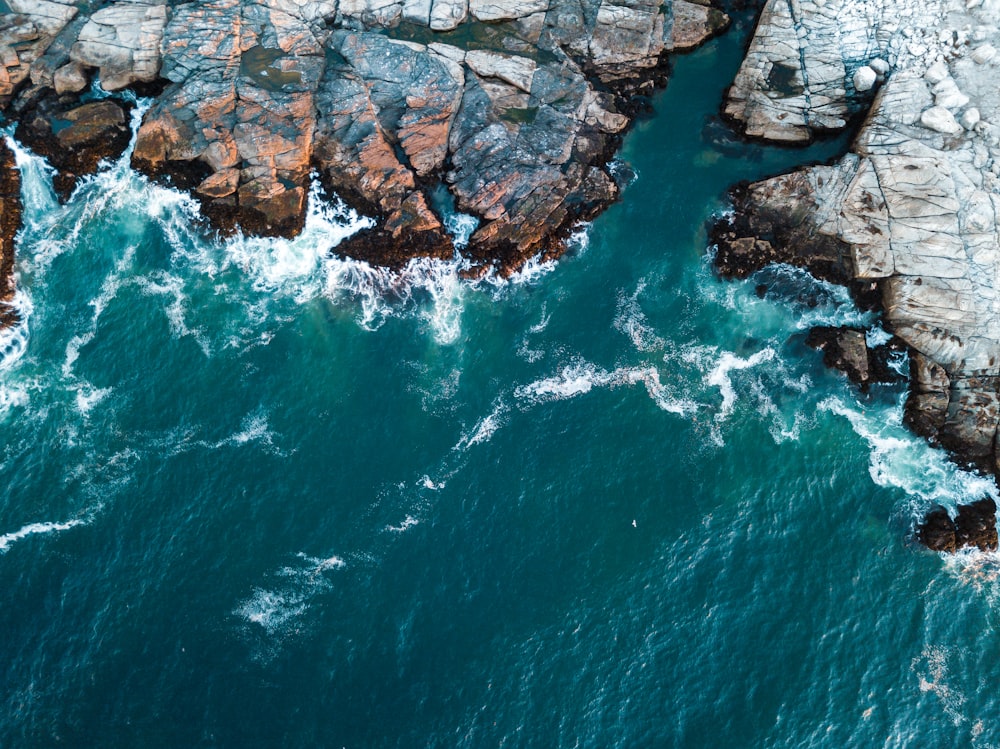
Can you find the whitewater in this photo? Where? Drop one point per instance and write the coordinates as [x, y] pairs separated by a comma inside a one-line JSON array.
[[259, 494]]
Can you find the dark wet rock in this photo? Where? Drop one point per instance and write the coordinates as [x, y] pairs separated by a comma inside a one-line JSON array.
[[937, 532], [10, 224], [515, 106], [772, 222], [847, 349], [973, 527], [75, 137]]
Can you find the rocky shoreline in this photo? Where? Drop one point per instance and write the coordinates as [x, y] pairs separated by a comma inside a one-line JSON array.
[[10, 223], [908, 218], [511, 108]]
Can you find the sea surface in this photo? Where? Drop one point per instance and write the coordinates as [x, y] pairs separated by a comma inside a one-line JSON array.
[[255, 495]]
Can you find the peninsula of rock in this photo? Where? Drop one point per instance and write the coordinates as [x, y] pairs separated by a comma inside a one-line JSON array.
[[909, 217], [509, 110]]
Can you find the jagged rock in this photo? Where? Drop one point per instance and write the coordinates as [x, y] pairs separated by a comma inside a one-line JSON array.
[[973, 526], [10, 223], [982, 55], [843, 348], [937, 532], [970, 118], [692, 24], [847, 349], [515, 107], [123, 40], [71, 78], [927, 403], [913, 208], [941, 120], [880, 66], [90, 133], [976, 525]]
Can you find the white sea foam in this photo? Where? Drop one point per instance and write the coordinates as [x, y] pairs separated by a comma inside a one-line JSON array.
[[933, 675], [631, 321], [254, 428], [900, 459], [87, 397], [408, 522], [485, 428], [580, 377], [876, 336], [719, 376], [274, 609], [428, 483], [14, 339], [461, 227], [162, 283], [8, 539], [543, 321], [109, 290]]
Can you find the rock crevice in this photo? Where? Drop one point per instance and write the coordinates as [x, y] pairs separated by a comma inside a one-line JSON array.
[[513, 107]]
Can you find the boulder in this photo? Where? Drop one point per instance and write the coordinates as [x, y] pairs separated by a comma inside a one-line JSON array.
[[90, 133], [864, 79], [974, 526]]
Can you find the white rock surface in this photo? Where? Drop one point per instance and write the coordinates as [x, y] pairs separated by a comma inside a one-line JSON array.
[[916, 202], [982, 55], [940, 120], [864, 78], [970, 118]]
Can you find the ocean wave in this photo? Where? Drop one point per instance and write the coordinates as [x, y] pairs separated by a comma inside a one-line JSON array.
[[580, 377], [273, 609], [631, 321], [901, 459], [8, 539], [485, 428], [719, 376], [14, 339]]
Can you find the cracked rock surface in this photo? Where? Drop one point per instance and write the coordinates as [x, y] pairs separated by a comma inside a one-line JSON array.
[[912, 210], [512, 106]]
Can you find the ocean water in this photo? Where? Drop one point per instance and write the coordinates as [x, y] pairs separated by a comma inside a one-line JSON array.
[[255, 495]]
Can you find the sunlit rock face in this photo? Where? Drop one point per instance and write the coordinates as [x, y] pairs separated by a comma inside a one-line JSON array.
[[514, 107]]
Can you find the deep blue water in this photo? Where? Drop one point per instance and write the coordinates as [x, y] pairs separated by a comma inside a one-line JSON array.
[[258, 496]]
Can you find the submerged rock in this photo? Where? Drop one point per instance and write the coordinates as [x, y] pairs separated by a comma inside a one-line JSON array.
[[973, 526], [514, 107]]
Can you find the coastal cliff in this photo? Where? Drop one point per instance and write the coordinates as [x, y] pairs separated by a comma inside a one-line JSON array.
[[10, 222], [908, 218], [512, 108]]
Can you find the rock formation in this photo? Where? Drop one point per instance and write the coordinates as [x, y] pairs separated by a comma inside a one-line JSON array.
[[10, 223], [975, 525], [514, 106], [847, 349], [911, 212]]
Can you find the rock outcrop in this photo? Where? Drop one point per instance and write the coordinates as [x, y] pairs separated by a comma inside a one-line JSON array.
[[10, 223], [847, 349], [974, 526], [911, 212], [515, 107]]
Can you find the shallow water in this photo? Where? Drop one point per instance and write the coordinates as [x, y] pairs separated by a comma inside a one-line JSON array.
[[260, 496]]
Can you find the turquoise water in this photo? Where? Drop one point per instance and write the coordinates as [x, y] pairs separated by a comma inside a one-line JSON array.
[[257, 496]]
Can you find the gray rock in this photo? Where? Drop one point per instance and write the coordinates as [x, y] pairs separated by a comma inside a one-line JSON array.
[[941, 120], [864, 79]]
